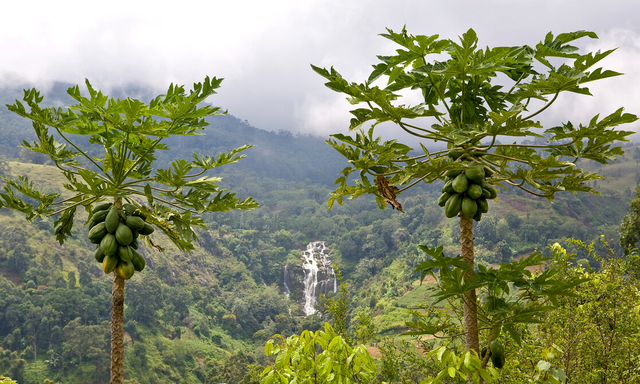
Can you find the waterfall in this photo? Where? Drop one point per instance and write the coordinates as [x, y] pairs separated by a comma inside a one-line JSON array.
[[310, 267], [286, 282], [316, 259]]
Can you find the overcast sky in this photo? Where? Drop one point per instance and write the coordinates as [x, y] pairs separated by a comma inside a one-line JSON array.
[[263, 48]]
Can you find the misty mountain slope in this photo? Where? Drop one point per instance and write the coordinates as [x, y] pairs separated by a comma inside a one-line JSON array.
[[279, 155]]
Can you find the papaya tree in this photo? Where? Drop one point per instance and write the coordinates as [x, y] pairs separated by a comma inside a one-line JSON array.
[[109, 170], [475, 108]]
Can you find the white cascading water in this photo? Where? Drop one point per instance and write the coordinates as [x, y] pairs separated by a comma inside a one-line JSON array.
[[316, 252], [286, 282]]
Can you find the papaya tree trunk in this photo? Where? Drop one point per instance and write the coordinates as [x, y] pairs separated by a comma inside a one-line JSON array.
[[470, 309], [117, 330], [117, 324]]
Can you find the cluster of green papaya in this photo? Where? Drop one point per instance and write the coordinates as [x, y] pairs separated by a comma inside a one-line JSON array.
[[116, 232], [467, 191], [496, 353]]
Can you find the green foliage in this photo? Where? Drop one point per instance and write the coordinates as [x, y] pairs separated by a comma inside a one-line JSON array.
[[630, 225], [320, 357], [463, 367], [129, 132], [463, 109], [511, 294], [7, 380]]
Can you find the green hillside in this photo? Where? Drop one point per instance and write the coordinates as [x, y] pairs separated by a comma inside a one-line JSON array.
[[205, 316]]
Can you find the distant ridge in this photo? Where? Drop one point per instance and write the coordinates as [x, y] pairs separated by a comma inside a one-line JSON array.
[[281, 155]]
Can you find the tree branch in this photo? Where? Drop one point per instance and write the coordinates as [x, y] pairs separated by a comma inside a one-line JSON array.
[[543, 108]]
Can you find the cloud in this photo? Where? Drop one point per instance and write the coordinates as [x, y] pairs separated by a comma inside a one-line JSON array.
[[263, 49]]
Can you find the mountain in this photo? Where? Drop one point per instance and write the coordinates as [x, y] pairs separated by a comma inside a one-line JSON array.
[[196, 317]]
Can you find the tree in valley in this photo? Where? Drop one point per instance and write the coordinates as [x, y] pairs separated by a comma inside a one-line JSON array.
[[630, 225], [472, 100], [112, 176]]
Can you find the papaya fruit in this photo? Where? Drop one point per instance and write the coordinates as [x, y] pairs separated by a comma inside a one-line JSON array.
[[146, 230], [447, 187], [109, 263], [485, 193], [134, 244], [469, 207], [112, 220], [475, 174], [453, 205], [497, 354], [455, 154], [478, 215], [124, 253], [129, 208], [125, 269], [109, 244], [135, 234], [140, 214], [474, 191], [101, 207], [452, 173], [135, 223], [483, 205], [99, 216], [492, 191], [124, 236], [483, 352], [98, 255], [138, 261], [443, 199], [97, 233], [488, 172], [460, 183]]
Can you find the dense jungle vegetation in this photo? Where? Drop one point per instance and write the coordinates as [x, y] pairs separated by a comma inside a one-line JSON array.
[[205, 317]]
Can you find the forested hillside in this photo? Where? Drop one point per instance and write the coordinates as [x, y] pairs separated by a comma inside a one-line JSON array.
[[204, 317]]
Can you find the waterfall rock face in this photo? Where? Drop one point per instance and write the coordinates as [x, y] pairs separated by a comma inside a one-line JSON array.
[[304, 283]]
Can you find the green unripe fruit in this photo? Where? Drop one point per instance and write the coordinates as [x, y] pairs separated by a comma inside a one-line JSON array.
[[146, 230], [99, 216], [483, 205], [475, 174], [112, 220], [488, 172], [109, 245], [140, 214], [478, 215], [448, 187], [109, 263], [453, 205], [135, 223], [474, 191], [124, 236], [485, 193], [101, 207], [454, 154], [483, 352], [460, 183], [469, 207], [124, 253], [138, 261], [97, 233], [125, 269], [98, 255], [497, 354], [134, 243], [452, 173], [129, 208], [493, 193], [443, 199]]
